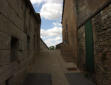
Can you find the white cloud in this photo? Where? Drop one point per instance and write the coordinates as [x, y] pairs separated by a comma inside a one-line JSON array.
[[51, 32], [57, 24], [54, 1], [52, 36], [46, 1], [51, 11], [36, 1], [53, 41]]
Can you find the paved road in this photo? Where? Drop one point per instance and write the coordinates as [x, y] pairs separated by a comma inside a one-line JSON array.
[[51, 62], [38, 79], [78, 79]]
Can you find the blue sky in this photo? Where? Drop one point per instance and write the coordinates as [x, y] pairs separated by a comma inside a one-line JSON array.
[[51, 13]]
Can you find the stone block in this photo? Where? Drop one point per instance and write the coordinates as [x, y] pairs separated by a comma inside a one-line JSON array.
[[12, 25], [11, 15], [3, 5], [5, 72], [10, 29], [4, 57], [101, 24], [4, 41], [18, 7], [20, 56], [18, 78], [2, 83]]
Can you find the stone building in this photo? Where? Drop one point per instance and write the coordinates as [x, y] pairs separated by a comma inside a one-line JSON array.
[[43, 46], [69, 46], [58, 46], [87, 29], [19, 40]]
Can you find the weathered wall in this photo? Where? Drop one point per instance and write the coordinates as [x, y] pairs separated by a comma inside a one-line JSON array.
[[101, 24], [17, 25], [69, 29], [86, 8], [43, 46], [59, 46], [81, 48], [102, 36]]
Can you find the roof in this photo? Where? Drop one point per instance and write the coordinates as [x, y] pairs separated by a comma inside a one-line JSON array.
[[43, 42], [63, 9], [36, 15]]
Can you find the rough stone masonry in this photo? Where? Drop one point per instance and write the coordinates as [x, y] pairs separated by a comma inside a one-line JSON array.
[[87, 31], [19, 40]]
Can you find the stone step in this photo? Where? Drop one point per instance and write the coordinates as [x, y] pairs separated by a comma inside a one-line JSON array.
[[68, 57], [69, 61], [66, 51], [68, 54]]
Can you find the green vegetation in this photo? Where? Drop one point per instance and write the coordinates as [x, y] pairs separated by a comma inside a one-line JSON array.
[[52, 48]]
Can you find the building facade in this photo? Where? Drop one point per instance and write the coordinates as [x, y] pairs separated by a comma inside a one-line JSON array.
[[58, 46], [19, 40], [89, 23], [69, 46]]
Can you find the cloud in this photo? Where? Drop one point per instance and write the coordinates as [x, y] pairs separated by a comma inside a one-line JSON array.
[[54, 1], [53, 41], [57, 24], [36, 1], [51, 32], [46, 1], [51, 11], [52, 36]]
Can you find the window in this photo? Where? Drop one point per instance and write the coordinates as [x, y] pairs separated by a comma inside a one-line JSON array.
[[28, 42], [14, 46]]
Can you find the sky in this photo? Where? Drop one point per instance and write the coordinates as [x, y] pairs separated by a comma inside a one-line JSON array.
[[51, 14]]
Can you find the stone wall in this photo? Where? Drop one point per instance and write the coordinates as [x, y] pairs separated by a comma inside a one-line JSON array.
[[59, 46], [17, 30], [43, 46], [76, 14], [101, 24], [86, 8], [69, 30], [81, 48], [102, 28]]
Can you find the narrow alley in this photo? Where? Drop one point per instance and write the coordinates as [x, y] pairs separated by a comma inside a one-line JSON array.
[[55, 42], [51, 69]]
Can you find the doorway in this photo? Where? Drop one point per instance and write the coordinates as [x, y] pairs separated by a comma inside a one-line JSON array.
[[89, 47], [14, 46]]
